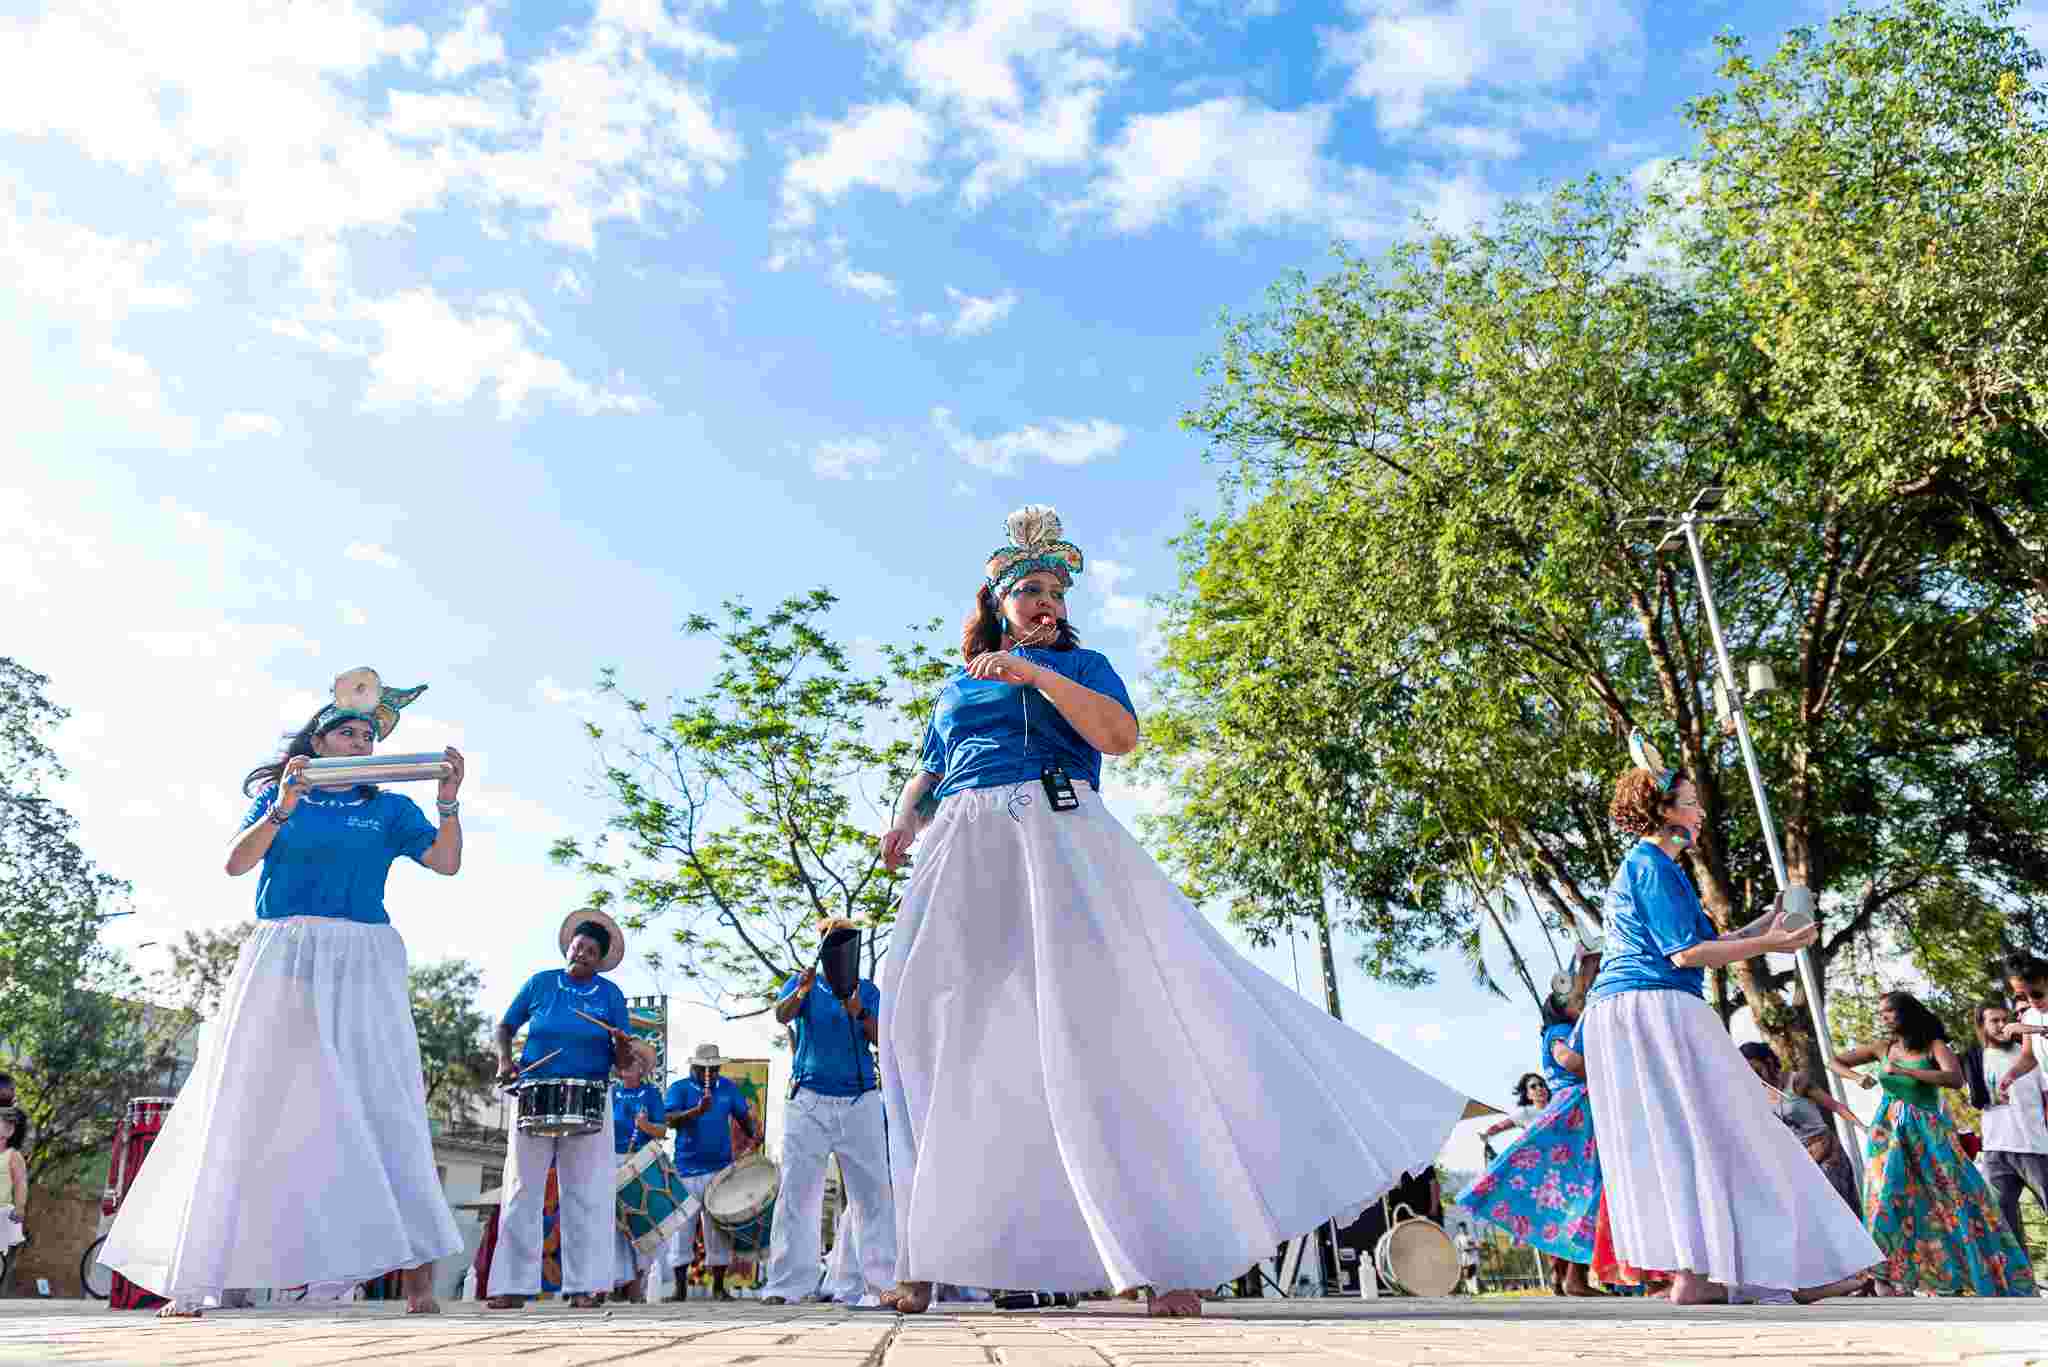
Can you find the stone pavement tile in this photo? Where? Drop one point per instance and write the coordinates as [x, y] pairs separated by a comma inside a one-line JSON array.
[[1050, 1355]]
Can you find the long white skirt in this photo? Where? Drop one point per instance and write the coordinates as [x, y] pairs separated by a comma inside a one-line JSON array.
[[299, 1150], [1700, 1174], [1088, 1087]]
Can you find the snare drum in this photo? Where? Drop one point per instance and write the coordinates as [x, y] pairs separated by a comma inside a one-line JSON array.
[[651, 1197], [741, 1201], [560, 1107], [1416, 1258]]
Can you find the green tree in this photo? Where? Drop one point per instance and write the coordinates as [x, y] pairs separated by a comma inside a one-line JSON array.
[[454, 1036], [1874, 196], [73, 1029], [202, 962], [1420, 621], [749, 810]]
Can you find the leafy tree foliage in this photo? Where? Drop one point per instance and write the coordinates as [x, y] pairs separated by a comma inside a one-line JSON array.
[[746, 812], [1421, 625], [72, 1030], [454, 1037]]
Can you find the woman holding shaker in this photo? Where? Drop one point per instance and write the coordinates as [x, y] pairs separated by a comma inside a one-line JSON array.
[[1700, 1177], [299, 1150], [1064, 1035]]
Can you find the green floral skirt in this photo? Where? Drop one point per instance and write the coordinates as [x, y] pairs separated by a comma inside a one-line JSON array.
[[1933, 1215]]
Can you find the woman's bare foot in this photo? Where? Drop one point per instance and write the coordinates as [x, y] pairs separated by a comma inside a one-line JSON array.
[[419, 1290], [1174, 1304], [1690, 1288], [178, 1310], [505, 1303], [1848, 1286], [910, 1298]]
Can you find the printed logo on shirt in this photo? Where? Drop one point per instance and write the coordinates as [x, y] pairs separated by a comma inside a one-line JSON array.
[[362, 823]]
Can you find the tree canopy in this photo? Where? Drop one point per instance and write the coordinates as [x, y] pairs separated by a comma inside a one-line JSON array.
[[1421, 626], [746, 812]]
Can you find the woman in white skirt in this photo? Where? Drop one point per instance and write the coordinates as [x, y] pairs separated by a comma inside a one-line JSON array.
[[1085, 1085], [299, 1150], [1702, 1181]]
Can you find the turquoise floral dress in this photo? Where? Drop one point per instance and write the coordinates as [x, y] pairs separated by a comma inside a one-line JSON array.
[[1929, 1210], [1544, 1189]]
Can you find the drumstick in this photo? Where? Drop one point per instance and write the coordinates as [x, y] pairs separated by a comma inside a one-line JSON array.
[[535, 1064], [609, 1027]]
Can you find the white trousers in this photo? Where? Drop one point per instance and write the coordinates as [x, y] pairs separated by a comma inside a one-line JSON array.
[[813, 1128], [717, 1243], [843, 1281], [586, 1176]]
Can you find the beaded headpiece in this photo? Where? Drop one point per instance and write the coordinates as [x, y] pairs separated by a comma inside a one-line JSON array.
[[359, 695], [1647, 759], [1035, 545]]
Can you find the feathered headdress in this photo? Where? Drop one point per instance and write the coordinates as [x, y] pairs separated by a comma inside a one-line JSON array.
[[359, 695], [1647, 759], [1035, 545]]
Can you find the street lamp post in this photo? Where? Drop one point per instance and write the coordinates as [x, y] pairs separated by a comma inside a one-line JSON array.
[[1798, 899]]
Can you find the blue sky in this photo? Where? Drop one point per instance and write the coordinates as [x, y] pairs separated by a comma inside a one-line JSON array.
[[481, 343]]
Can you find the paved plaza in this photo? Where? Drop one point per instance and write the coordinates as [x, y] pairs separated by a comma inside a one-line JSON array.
[[1447, 1333]]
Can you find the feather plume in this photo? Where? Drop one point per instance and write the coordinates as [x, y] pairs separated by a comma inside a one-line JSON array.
[[1034, 525]]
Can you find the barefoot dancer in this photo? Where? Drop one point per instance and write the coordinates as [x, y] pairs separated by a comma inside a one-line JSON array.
[[1700, 1177], [299, 1150], [1086, 1086], [1545, 1187]]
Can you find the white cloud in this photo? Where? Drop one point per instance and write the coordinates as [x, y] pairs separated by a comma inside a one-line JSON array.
[[250, 425], [1384, 1034], [974, 315], [266, 121], [433, 357], [1242, 166], [94, 278], [569, 281], [1406, 55], [353, 616], [473, 45], [1491, 144], [868, 284], [370, 553], [840, 459], [549, 691], [1062, 441], [1431, 1033], [887, 147], [1123, 611]]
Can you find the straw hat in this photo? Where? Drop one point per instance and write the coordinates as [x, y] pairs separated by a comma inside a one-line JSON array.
[[613, 955]]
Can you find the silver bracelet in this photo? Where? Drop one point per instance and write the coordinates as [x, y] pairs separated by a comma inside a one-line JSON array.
[[278, 816], [447, 808]]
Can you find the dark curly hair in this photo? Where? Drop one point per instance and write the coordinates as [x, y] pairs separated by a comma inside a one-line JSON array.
[[983, 629], [1918, 1027], [1522, 1087], [20, 1119], [1638, 805]]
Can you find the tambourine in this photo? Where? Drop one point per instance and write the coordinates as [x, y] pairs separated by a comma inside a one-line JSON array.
[[347, 772]]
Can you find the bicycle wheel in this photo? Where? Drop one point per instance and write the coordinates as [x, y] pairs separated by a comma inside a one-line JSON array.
[[95, 1276]]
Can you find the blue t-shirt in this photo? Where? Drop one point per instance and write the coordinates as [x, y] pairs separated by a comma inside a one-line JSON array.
[[627, 1104], [1555, 1073], [705, 1144], [1652, 913], [977, 734], [331, 856], [832, 1057], [547, 1006]]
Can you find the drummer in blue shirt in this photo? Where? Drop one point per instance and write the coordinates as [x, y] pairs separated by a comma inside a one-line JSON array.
[[636, 1122], [702, 1109], [576, 1028], [835, 1108]]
